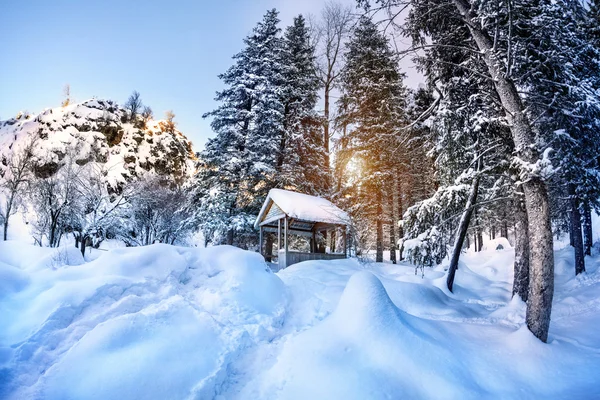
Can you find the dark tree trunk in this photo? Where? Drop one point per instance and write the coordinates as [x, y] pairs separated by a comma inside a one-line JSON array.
[[230, 237], [269, 248], [392, 228], [588, 241], [77, 240], [571, 233], [493, 232], [332, 239], [479, 234], [379, 218], [400, 211], [463, 227], [468, 242], [504, 227], [83, 245], [576, 231], [326, 128], [521, 267]]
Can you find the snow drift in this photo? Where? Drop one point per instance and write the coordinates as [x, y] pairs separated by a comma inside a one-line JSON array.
[[154, 323], [168, 322]]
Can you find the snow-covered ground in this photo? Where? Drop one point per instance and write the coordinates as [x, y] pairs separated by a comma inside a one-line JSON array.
[[164, 322]]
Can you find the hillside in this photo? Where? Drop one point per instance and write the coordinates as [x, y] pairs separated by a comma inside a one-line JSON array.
[[98, 131]]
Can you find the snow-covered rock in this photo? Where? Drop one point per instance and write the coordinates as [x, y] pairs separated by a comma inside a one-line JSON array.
[[97, 131]]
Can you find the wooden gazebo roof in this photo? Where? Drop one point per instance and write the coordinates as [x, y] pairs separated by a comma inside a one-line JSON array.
[[305, 213]]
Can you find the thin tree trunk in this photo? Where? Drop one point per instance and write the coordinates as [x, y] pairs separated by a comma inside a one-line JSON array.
[[479, 234], [379, 216], [392, 228], [326, 126], [400, 210], [587, 229], [576, 231], [541, 285], [332, 239], [83, 245], [521, 266], [463, 227], [269, 248], [7, 216], [493, 232]]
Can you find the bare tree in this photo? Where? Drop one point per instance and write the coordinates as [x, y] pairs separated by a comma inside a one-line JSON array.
[[147, 115], [52, 199], [330, 32], [168, 125], [134, 105], [14, 180], [67, 94], [94, 210], [155, 212]]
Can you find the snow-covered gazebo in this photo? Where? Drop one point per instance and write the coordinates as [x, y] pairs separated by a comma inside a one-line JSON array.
[[303, 215]]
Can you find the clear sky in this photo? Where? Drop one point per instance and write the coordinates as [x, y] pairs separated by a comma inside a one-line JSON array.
[[170, 51]]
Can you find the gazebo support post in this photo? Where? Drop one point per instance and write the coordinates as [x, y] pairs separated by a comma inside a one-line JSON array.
[[260, 241], [345, 235], [285, 234], [278, 235]]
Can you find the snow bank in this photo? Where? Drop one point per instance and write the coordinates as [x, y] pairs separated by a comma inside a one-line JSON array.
[[155, 322], [166, 322]]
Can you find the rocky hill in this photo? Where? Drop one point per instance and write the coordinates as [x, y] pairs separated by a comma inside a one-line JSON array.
[[102, 132]]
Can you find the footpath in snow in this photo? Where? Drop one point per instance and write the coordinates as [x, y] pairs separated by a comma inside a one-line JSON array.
[[164, 322]]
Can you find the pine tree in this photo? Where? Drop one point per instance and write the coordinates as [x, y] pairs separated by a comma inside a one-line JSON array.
[[301, 154], [510, 44], [239, 164], [372, 104]]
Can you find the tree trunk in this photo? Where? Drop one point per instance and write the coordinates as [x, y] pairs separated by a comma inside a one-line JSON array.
[[77, 240], [541, 288], [392, 228], [504, 227], [521, 267], [379, 217], [269, 248], [576, 230], [83, 245], [493, 232], [326, 127], [6, 227], [463, 226], [400, 216], [588, 240], [479, 234], [332, 239]]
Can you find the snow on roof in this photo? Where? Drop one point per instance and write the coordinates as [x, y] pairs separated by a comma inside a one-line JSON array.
[[304, 207]]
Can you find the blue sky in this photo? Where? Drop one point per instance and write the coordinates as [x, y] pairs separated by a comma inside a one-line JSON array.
[[169, 51]]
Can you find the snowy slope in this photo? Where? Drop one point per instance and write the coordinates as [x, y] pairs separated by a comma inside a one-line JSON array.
[[167, 322], [95, 131]]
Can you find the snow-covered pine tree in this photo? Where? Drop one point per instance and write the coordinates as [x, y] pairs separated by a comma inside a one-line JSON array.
[[240, 162], [301, 155], [514, 40], [563, 92], [372, 107]]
